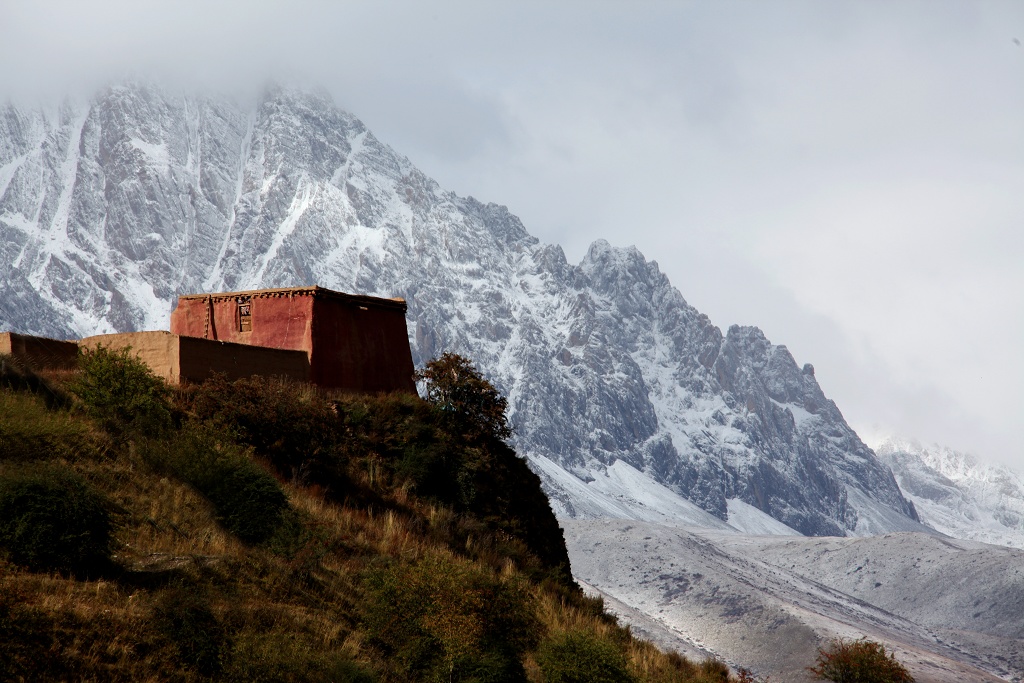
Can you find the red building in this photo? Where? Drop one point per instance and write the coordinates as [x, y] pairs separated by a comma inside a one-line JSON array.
[[356, 343]]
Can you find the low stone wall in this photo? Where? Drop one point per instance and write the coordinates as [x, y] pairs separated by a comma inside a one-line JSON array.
[[39, 353], [190, 359], [158, 350]]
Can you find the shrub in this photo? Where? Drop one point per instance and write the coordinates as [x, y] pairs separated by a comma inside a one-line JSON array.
[[582, 657], [248, 501], [445, 618], [119, 391], [187, 621], [289, 424], [858, 661], [51, 520]]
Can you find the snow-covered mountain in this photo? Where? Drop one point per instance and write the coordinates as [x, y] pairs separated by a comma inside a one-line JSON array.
[[957, 494], [111, 208]]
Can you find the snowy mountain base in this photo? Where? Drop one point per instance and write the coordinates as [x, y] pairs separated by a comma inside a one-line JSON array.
[[767, 602]]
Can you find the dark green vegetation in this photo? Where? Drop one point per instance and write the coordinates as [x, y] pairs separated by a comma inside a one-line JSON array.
[[859, 661], [118, 391], [576, 656], [263, 531], [51, 520]]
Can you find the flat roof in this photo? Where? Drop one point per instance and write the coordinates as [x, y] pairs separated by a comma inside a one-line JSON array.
[[314, 291]]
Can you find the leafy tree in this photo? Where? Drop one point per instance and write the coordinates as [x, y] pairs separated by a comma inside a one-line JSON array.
[[121, 392], [859, 661], [457, 387], [488, 478]]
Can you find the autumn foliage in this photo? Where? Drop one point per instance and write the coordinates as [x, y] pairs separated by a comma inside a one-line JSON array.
[[457, 388], [859, 661]]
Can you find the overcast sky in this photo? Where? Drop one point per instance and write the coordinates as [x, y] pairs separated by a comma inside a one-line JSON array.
[[848, 176]]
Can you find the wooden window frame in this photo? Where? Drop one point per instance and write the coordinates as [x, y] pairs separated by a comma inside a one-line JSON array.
[[244, 308]]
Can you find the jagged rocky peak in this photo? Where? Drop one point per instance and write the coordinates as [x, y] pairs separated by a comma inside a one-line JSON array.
[[111, 208]]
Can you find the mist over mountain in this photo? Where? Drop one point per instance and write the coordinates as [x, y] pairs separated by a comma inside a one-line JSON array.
[[110, 208], [957, 494]]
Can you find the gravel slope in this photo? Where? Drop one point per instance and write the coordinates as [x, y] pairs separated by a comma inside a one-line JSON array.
[[951, 610]]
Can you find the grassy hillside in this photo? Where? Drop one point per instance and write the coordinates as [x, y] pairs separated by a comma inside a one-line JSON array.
[[263, 531]]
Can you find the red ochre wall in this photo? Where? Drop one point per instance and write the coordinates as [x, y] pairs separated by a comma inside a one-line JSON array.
[[353, 344], [362, 348], [280, 322]]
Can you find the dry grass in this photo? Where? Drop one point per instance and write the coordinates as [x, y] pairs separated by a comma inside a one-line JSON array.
[[29, 431], [297, 613]]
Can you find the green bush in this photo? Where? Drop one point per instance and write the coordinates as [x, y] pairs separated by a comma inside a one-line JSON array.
[[248, 501], [186, 620], [447, 619], [51, 520], [859, 661], [289, 424], [119, 391], [582, 657]]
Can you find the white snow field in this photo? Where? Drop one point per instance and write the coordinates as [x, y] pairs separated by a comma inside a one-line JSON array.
[[951, 610]]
